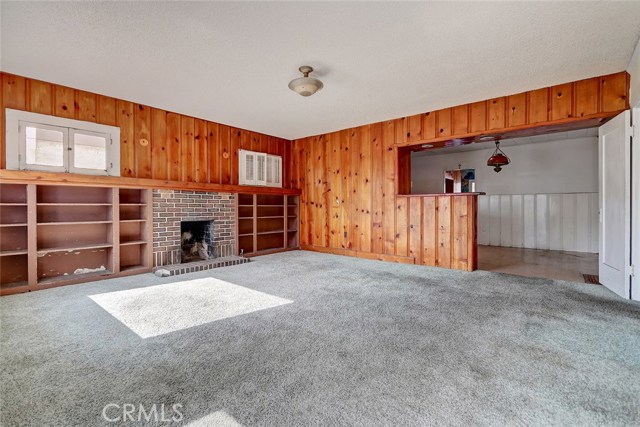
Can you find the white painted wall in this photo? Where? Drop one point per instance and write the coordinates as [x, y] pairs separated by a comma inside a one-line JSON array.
[[566, 222], [634, 70], [562, 166]]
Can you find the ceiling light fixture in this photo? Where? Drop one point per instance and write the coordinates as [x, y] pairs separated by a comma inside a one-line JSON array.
[[305, 86], [498, 159]]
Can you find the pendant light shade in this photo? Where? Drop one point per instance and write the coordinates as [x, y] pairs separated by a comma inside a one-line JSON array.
[[305, 86], [498, 159]]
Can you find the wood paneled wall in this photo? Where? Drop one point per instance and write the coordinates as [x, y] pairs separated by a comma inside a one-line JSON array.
[[564, 103], [352, 180], [349, 205], [154, 144]]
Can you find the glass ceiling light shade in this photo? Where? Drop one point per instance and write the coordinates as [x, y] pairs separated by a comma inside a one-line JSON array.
[[305, 86], [498, 159]]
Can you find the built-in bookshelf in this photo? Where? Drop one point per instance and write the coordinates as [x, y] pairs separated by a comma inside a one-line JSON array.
[[52, 235], [267, 223], [13, 236], [135, 229]]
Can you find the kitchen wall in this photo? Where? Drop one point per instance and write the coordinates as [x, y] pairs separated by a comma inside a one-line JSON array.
[[555, 166], [547, 198]]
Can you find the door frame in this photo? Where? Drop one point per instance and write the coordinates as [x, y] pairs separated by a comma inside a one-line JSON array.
[[635, 203]]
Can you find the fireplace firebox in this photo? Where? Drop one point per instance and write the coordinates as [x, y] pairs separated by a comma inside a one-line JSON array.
[[196, 241]]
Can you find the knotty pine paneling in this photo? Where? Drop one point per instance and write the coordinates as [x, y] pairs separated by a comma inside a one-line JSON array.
[[460, 120], [596, 98], [415, 227], [201, 141], [106, 110], [562, 101], [350, 203], [497, 118], [86, 106], [586, 95], [614, 92], [414, 128], [516, 110], [213, 147], [478, 117], [429, 130], [443, 120], [187, 153], [377, 188], [538, 106], [345, 190], [333, 167], [173, 142], [142, 134], [124, 120], [178, 147], [388, 171], [429, 230], [64, 98], [40, 97], [159, 157]]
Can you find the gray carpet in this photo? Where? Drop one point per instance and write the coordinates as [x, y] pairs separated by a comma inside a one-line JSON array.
[[363, 343]]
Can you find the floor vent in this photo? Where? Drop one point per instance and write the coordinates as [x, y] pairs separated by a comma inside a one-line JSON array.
[[592, 279], [192, 267]]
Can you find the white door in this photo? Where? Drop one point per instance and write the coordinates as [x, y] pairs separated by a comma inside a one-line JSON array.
[[614, 149]]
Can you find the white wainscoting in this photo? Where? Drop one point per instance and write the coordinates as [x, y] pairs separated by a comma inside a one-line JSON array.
[[567, 222]]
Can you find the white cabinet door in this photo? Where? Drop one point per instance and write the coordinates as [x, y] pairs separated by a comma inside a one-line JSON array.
[[261, 169], [274, 171], [247, 167]]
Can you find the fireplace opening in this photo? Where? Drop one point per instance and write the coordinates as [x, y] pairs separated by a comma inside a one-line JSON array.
[[196, 241]]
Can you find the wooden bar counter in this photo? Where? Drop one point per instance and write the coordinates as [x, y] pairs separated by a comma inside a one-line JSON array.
[[443, 229]]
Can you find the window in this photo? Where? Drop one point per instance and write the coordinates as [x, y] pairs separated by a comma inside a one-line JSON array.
[[260, 169], [48, 143]]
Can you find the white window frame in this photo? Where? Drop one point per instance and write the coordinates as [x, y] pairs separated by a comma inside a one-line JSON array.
[[16, 141], [72, 166], [22, 148], [271, 168]]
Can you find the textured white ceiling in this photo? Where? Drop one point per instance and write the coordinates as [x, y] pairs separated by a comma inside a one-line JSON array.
[[231, 62]]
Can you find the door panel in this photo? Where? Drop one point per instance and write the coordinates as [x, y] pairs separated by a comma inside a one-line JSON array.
[[614, 160]]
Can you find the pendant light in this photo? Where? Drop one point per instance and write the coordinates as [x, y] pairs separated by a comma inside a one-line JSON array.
[[305, 86], [498, 159]]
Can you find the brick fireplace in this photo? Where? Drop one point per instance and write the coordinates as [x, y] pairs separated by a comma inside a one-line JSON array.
[[171, 208]]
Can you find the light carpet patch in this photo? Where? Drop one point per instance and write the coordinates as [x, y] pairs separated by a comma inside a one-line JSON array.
[[216, 419], [158, 310]]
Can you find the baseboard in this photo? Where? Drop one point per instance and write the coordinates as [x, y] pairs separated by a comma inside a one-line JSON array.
[[360, 254]]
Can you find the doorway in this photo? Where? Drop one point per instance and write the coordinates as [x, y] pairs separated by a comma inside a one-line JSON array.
[[539, 216]]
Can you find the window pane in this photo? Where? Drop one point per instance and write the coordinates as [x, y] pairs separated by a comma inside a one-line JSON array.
[[44, 147], [89, 151]]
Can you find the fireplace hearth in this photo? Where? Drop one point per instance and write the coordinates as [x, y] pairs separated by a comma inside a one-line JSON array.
[[196, 241]]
